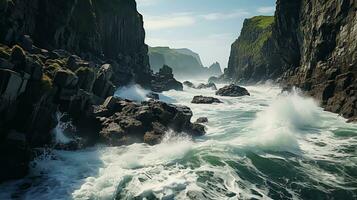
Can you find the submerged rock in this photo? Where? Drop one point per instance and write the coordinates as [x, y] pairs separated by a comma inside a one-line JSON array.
[[232, 91], [126, 122], [206, 86], [153, 95], [189, 84], [205, 100]]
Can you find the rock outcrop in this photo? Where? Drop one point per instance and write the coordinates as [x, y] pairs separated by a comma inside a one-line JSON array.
[[232, 91], [311, 45], [205, 100], [253, 56], [127, 122], [164, 80], [66, 56]]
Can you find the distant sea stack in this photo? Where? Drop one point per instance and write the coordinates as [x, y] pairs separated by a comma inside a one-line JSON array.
[[308, 44], [184, 62]]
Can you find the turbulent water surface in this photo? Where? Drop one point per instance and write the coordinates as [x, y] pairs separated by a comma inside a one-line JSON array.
[[266, 146]]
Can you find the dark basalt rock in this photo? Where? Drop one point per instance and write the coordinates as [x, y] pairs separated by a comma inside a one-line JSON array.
[[126, 122], [233, 91], [202, 120], [189, 84], [164, 81], [206, 86], [153, 96], [205, 100]]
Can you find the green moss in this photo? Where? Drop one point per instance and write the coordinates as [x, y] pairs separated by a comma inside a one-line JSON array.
[[46, 83], [4, 52], [255, 33], [262, 21], [84, 70]]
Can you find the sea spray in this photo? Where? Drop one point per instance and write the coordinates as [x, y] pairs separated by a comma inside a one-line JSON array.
[[59, 132], [132, 92], [278, 126]]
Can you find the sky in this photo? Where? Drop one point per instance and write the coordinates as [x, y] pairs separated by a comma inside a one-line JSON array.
[[208, 27]]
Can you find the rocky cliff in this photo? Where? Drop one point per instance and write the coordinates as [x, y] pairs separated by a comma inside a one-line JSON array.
[[312, 44], [64, 56], [253, 56], [184, 62], [106, 29]]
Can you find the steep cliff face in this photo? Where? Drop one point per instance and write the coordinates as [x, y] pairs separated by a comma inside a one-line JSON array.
[[184, 63], [318, 41], [253, 56], [107, 29], [311, 44]]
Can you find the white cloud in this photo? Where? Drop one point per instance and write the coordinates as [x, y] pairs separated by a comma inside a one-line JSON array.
[[266, 10], [229, 15], [169, 21]]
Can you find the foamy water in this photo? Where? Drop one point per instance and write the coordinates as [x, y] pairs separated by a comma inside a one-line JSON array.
[[266, 146]]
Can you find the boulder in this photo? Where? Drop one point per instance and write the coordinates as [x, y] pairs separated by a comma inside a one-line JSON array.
[[65, 79], [86, 78], [233, 91], [189, 84], [103, 87], [153, 95], [127, 122], [206, 86], [12, 84], [202, 120], [205, 100]]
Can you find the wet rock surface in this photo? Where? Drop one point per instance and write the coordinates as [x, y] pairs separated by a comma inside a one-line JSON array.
[[205, 100], [126, 122], [232, 91]]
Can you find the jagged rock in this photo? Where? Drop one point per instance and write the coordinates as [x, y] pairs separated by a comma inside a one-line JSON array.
[[26, 42], [189, 84], [153, 95], [12, 84], [232, 91], [205, 100], [202, 120], [86, 77], [206, 86], [18, 58], [126, 122], [103, 87], [65, 79], [165, 81]]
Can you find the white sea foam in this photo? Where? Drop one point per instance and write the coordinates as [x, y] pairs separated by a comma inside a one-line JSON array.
[[132, 92], [179, 166]]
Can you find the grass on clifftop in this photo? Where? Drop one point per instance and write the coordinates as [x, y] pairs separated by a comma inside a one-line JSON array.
[[262, 21]]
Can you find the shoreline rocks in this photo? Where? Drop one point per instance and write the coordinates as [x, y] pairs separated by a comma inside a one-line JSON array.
[[232, 91], [205, 100], [125, 122]]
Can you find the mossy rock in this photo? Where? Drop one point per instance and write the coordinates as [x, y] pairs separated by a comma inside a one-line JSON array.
[[5, 52], [46, 83]]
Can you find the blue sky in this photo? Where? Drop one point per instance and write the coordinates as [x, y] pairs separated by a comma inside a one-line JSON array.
[[208, 27]]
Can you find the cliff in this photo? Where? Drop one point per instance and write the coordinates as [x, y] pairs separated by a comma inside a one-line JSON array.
[[184, 62], [311, 45], [64, 56], [99, 28], [253, 57]]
